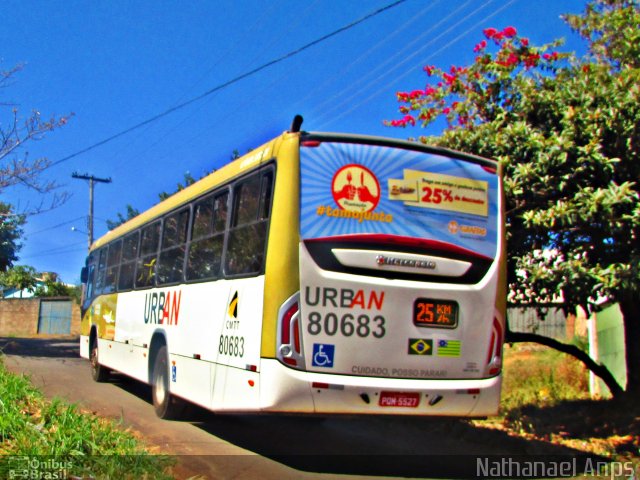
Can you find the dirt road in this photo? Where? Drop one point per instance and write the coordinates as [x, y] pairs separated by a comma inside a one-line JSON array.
[[242, 447]]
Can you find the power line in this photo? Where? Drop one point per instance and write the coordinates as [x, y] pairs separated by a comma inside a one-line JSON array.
[[56, 226], [229, 82], [56, 251], [390, 65], [431, 55]]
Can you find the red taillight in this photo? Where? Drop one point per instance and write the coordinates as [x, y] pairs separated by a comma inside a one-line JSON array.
[[494, 358], [296, 336], [285, 333], [289, 348]]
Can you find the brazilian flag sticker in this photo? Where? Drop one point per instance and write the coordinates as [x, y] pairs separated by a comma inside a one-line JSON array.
[[420, 346]]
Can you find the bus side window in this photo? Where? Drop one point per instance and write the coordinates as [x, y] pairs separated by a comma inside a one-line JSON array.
[[101, 270], [113, 264], [89, 292], [207, 237], [129, 256], [249, 222], [146, 264], [174, 239]]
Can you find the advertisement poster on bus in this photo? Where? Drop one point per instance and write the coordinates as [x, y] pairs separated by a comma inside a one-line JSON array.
[[354, 189]]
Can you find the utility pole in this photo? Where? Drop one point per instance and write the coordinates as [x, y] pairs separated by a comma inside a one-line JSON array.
[[92, 181]]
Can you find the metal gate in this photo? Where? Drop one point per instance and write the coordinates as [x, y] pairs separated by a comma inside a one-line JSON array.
[[55, 317]]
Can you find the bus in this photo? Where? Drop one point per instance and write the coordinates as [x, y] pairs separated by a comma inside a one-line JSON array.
[[321, 273]]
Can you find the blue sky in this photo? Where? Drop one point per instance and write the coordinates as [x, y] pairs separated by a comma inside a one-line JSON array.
[[117, 63]]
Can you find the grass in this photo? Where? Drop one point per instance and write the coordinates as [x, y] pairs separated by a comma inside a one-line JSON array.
[[55, 437], [537, 375], [545, 397]]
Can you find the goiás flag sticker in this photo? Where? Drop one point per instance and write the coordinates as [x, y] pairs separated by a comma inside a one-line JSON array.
[[449, 348]]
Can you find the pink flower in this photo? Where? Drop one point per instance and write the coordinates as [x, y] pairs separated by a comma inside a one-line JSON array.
[[429, 69], [480, 46], [429, 91], [402, 96], [511, 60], [450, 79], [509, 32], [489, 32], [531, 60], [446, 110], [524, 42], [415, 94], [409, 119]]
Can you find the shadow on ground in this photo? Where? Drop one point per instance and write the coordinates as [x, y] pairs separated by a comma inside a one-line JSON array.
[[385, 446], [615, 421], [52, 347]]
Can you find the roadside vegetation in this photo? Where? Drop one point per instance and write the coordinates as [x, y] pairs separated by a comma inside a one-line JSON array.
[[56, 438], [545, 397]]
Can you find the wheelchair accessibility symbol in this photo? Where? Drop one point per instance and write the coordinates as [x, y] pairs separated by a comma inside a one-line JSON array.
[[323, 355]]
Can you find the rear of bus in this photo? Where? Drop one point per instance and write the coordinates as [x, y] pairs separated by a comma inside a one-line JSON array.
[[400, 307]]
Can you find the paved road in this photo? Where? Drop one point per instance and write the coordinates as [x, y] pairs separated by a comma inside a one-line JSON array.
[[267, 447]]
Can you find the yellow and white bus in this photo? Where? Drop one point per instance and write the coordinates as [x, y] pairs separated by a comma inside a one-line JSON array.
[[320, 273]]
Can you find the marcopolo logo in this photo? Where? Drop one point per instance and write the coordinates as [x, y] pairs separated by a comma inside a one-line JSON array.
[[356, 188]]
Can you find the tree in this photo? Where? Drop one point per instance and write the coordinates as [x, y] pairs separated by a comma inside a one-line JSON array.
[[20, 277], [10, 234], [55, 288], [188, 180], [16, 167], [131, 213], [134, 212], [566, 131]]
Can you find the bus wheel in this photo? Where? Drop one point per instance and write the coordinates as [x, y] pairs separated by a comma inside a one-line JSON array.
[[99, 373], [167, 406]]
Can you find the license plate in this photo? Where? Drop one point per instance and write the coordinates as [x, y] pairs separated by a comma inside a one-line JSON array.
[[399, 399], [428, 312]]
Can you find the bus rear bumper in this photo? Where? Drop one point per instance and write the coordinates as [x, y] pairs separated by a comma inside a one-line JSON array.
[[319, 393]]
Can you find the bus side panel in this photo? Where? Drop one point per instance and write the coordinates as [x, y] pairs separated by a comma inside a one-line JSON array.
[[191, 379], [128, 359], [84, 346]]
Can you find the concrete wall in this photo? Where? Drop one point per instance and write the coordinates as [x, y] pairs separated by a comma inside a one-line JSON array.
[[19, 317], [607, 346]]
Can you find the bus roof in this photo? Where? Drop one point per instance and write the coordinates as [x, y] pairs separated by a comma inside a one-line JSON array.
[[397, 143]]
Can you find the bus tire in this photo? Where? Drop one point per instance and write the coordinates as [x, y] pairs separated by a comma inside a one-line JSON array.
[[167, 406], [99, 372]]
